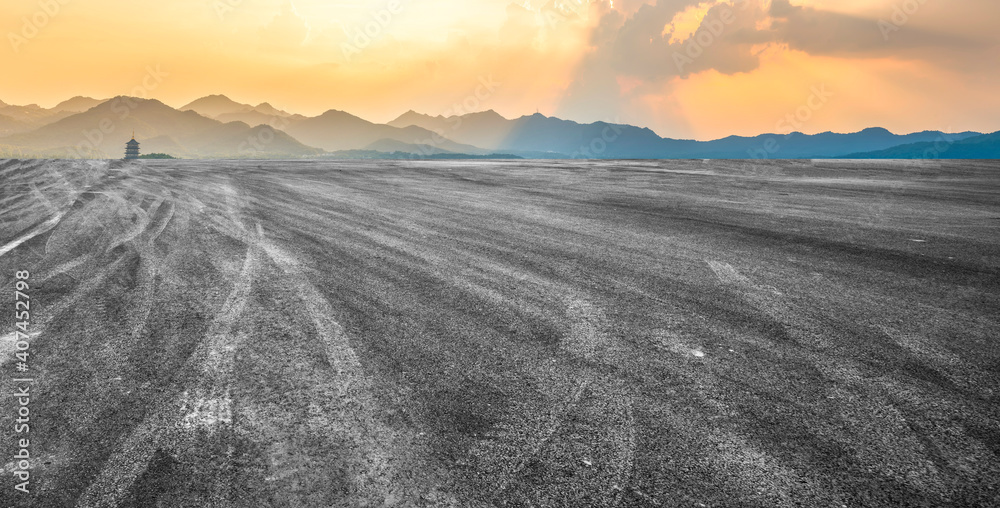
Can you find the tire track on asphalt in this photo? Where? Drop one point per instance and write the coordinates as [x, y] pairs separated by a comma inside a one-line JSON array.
[[780, 319], [41, 228], [148, 266], [741, 467], [736, 458], [609, 415], [139, 237], [63, 268], [165, 426], [92, 283], [587, 339], [625, 465], [714, 440], [590, 429], [162, 224], [729, 276], [370, 455], [555, 420], [140, 221], [877, 421], [351, 413]]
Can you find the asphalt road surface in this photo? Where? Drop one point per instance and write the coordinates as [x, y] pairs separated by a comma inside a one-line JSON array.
[[465, 334]]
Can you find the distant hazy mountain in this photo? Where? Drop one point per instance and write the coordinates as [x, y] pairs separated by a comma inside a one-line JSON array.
[[986, 146], [268, 109], [594, 140], [224, 109], [255, 117], [232, 140], [337, 130], [217, 126], [212, 106], [10, 125], [77, 104], [541, 134], [32, 115], [826, 144], [103, 130], [486, 129], [15, 119], [421, 120]]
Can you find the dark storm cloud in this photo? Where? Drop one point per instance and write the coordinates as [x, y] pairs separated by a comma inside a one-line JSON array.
[[634, 57], [729, 33], [723, 42], [821, 32]]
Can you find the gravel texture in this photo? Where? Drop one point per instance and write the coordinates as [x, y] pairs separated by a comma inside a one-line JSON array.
[[530, 333]]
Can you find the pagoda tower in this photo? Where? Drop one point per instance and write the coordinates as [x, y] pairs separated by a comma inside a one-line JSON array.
[[132, 148]]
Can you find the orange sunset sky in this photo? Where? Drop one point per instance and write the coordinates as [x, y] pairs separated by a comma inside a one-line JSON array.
[[685, 69]]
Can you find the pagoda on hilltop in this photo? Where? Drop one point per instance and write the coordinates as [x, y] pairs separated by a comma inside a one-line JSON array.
[[132, 148]]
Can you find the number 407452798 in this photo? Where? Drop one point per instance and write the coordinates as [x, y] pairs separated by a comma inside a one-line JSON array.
[[22, 314]]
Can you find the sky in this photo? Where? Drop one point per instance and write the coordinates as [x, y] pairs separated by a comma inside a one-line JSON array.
[[684, 68]]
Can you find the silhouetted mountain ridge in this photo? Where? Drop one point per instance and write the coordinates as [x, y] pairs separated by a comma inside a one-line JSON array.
[[986, 146], [77, 104], [102, 131], [217, 126], [542, 134], [212, 106], [338, 130]]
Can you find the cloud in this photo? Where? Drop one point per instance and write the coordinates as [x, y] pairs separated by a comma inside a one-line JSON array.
[[631, 58], [579, 59], [824, 33], [645, 46], [730, 37], [640, 59], [287, 30]]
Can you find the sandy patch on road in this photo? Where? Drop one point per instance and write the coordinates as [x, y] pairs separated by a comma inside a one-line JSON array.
[[731, 277], [8, 344], [587, 337], [203, 410], [671, 341]]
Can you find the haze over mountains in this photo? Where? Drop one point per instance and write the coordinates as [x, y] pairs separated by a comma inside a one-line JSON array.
[[226, 110], [102, 130], [14, 119], [217, 127]]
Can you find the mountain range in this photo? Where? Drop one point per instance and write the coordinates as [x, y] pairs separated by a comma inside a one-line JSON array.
[[976, 147], [14, 119], [216, 127]]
